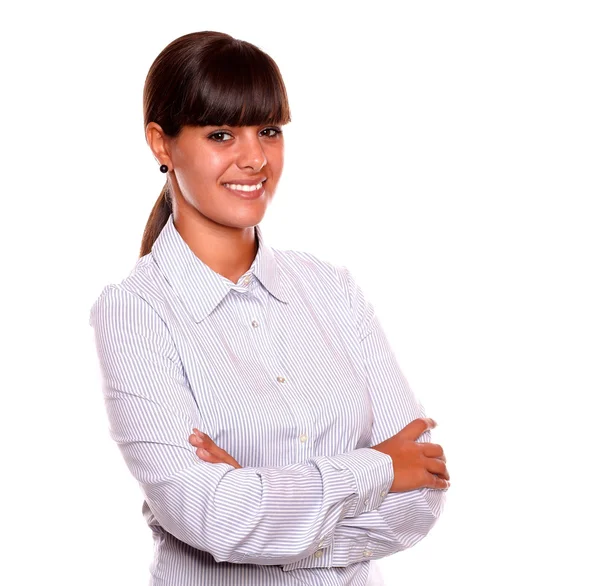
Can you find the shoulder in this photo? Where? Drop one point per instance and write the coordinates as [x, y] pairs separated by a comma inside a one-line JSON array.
[[327, 283], [142, 287], [301, 263], [311, 272]]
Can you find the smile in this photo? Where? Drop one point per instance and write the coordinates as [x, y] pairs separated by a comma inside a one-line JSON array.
[[236, 187]]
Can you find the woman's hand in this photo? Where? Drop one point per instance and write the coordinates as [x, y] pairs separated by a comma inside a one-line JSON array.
[[416, 465], [208, 451]]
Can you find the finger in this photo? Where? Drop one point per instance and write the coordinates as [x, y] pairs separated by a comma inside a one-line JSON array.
[[416, 428], [196, 437], [208, 456], [438, 483], [208, 448], [218, 454], [199, 440], [224, 456], [433, 451], [208, 444], [437, 467]]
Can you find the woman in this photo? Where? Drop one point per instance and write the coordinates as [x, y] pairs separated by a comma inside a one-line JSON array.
[[252, 391]]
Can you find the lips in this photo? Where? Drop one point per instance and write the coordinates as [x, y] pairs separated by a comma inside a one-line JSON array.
[[244, 186], [252, 191]]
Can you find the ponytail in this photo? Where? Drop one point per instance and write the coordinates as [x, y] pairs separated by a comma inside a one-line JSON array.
[[158, 218]]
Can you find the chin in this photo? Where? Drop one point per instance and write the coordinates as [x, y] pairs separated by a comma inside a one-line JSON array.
[[245, 218], [243, 222]]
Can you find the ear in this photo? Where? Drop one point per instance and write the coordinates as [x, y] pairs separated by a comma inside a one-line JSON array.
[[158, 142]]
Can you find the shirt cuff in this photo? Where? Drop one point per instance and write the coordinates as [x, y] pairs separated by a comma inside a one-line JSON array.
[[322, 558], [373, 474]]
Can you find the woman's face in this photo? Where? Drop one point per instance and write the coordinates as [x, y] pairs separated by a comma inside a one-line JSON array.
[[227, 174]]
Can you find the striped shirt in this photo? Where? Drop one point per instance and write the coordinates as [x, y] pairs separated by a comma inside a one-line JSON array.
[[289, 371]]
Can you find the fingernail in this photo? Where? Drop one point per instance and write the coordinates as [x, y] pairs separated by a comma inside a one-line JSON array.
[[203, 452], [200, 434]]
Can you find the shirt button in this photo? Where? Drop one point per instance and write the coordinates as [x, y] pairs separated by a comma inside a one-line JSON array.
[[367, 553], [246, 280], [321, 544], [366, 502], [319, 553], [254, 323], [280, 379], [303, 438], [383, 494]]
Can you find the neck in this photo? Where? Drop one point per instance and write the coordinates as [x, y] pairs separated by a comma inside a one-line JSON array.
[[226, 250]]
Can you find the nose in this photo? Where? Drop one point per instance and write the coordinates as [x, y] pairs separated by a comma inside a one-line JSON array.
[[251, 154]]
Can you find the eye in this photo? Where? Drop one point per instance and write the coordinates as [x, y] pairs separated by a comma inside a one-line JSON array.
[[271, 132], [220, 136]]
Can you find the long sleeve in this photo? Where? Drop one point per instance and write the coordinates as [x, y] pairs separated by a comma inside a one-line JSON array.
[[403, 519], [249, 515]]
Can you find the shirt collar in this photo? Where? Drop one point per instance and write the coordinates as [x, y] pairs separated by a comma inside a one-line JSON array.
[[199, 287]]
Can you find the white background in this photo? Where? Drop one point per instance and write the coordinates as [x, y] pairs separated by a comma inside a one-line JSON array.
[[446, 152]]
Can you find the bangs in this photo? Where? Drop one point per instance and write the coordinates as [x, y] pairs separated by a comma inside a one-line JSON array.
[[238, 86]]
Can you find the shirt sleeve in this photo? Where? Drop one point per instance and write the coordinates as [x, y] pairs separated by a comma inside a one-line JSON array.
[[249, 515], [403, 519]]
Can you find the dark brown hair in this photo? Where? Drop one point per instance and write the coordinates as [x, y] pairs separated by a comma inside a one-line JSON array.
[[209, 78]]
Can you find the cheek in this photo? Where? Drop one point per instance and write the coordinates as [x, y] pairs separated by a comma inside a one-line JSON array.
[[207, 167], [203, 170], [275, 158], [213, 165]]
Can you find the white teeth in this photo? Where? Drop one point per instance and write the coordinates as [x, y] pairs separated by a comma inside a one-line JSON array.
[[243, 187]]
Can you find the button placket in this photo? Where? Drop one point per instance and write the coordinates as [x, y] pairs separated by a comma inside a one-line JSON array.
[[246, 280], [275, 357], [254, 314], [253, 320]]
